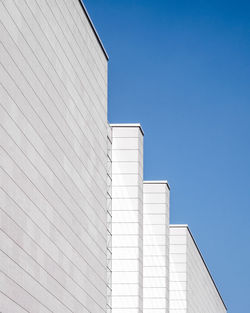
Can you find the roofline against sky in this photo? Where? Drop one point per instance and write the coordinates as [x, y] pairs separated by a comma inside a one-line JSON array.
[[128, 125], [94, 29], [163, 182]]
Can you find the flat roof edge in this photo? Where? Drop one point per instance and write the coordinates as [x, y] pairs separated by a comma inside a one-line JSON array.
[[127, 125], [94, 29], [178, 225], [157, 182]]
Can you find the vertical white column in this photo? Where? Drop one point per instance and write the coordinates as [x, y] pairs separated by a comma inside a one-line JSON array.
[[127, 219], [109, 221], [156, 247], [178, 269]]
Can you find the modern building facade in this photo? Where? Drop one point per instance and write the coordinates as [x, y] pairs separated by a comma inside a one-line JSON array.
[[53, 136], [192, 288], [80, 229], [155, 247]]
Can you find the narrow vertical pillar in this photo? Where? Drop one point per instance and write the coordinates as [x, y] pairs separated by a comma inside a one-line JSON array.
[[109, 221], [156, 247], [127, 218], [178, 268]]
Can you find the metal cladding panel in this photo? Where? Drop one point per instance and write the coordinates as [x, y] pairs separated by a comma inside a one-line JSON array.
[[155, 247], [127, 225], [53, 153]]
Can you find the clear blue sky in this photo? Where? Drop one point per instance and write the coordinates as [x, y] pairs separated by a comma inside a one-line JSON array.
[[182, 69]]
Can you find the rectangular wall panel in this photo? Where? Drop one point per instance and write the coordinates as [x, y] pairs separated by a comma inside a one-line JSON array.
[[127, 225], [155, 247], [178, 269]]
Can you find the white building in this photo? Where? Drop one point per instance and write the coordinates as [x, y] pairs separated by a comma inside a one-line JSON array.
[[53, 154], [155, 247], [76, 218], [127, 223], [192, 289]]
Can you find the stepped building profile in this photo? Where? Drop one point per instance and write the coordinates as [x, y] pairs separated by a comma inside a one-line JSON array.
[[80, 229]]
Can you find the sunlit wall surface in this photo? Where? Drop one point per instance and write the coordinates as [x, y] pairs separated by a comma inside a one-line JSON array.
[[192, 289], [53, 152], [155, 247], [127, 207]]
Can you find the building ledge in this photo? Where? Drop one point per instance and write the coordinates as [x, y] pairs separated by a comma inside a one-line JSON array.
[[162, 182], [128, 125]]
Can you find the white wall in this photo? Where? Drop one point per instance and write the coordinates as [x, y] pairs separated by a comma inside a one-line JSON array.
[[127, 225], [202, 292], [192, 289], [53, 154], [155, 247]]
